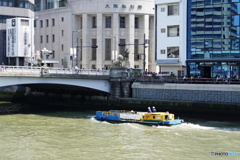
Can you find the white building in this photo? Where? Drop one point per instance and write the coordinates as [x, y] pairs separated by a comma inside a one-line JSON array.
[[20, 41], [12, 9], [170, 32], [71, 31]]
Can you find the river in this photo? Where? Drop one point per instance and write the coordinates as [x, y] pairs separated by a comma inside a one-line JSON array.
[[75, 136]]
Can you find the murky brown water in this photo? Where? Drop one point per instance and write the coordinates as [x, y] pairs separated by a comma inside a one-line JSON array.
[[74, 136]]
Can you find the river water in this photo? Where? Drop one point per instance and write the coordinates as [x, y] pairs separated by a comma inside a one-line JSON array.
[[75, 136]]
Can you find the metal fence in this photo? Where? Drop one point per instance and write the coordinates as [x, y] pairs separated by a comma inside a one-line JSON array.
[[169, 79]]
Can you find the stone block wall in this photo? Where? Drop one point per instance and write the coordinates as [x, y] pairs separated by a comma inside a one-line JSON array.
[[195, 93]]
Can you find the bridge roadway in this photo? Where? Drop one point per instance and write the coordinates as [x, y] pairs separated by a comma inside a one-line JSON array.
[[55, 77]]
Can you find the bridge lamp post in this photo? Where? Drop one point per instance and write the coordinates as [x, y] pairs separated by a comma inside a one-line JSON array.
[[45, 53], [144, 47], [72, 56]]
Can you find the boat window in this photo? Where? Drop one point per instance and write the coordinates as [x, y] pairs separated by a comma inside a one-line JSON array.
[[166, 117], [153, 117]]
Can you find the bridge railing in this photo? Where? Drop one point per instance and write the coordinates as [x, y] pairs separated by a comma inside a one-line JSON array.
[[50, 70], [20, 69], [78, 71]]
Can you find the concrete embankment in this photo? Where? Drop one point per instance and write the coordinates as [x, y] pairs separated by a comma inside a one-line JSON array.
[[224, 111]]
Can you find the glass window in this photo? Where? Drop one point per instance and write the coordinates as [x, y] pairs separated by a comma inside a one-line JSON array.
[[47, 39], [94, 22], [107, 49], [53, 38], [41, 39], [53, 22], [5, 2], [136, 23], [53, 54], [94, 50], [173, 31], [173, 52], [136, 50], [108, 23], [122, 22], [41, 23], [46, 22], [173, 9]]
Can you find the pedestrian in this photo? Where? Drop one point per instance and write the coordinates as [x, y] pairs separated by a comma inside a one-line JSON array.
[[149, 110], [76, 69], [154, 109]]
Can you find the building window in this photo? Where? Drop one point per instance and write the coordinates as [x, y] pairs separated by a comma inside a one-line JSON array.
[[53, 38], [53, 22], [62, 19], [53, 54], [162, 51], [93, 66], [62, 32], [94, 22], [173, 31], [108, 23], [107, 49], [173, 52], [41, 23], [122, 22], [41, 39], [173, 9], [46, 38], [163, 30], [122, 48], [136, 44], [46, 22], [136, 22], [94, 50], [62, 47], [162, 9]]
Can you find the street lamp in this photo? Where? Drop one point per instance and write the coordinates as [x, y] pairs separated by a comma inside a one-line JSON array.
[[45, 54], [71, 58], [144, 46]]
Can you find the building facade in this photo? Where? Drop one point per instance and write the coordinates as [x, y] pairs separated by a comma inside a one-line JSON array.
[[170, 48], [208, 36], [213, 38], [12, 9], [88, 33]]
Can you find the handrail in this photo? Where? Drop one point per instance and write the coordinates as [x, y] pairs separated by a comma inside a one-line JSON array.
[[52, 70]]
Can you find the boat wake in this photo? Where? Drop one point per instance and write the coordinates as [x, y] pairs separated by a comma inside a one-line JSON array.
[[208, 126]]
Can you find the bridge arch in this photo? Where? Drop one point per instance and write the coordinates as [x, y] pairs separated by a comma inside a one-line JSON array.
[[96, 84]]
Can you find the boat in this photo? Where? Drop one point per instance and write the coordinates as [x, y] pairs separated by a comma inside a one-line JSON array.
[[145, 118]]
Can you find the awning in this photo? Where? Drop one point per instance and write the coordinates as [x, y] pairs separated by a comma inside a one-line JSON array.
[[167, 61], [214, 60]]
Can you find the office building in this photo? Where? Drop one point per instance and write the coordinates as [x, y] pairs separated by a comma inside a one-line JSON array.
[[208, 37], [88, 33], [171, 36], [12, 9]]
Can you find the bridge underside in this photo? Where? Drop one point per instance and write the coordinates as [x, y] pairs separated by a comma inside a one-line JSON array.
[[60, 88]]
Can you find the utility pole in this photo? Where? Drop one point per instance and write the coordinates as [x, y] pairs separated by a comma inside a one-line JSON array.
[[144, 56]]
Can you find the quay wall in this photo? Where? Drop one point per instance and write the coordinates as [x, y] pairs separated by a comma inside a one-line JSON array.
[[217, 93]]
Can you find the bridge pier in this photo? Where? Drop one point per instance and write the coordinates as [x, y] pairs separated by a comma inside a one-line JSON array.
[[120, 85]]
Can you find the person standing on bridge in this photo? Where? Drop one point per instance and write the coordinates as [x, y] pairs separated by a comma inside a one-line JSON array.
[[2, 67], [76, 69]]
